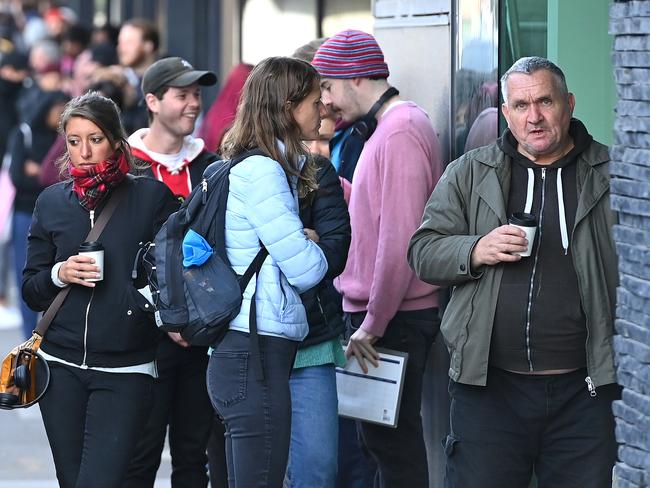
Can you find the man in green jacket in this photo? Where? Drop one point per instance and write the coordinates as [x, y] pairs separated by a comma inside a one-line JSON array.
[[530, 338]]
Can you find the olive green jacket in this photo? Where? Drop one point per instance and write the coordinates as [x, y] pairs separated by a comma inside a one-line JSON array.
[[468, 202]]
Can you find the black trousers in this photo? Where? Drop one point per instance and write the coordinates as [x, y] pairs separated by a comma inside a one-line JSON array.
[[93, 421], [256, 412], [400, 453], [180, 400], [517, 424]]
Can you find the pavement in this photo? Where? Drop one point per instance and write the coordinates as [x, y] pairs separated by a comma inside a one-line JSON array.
[[25, 457]]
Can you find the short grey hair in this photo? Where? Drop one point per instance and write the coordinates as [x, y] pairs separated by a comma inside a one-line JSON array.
[[50, 49], [530, 65]]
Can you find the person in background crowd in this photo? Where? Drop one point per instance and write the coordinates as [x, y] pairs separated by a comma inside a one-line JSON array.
[[45, 61], [88, 66], [10, 39], [58, 20], [101, 344], [106, 33], [137, 49], [386, 304], [137, 46], [484, 130], [314, 403], [355, 470], [530, 338], [252, 395], [321, 146], [14, 70], [28, 144], [222, 112], [172, 89], [32, 23], [74, 41]]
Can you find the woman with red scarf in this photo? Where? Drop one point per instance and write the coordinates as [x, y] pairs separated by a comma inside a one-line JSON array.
[[100, 346]]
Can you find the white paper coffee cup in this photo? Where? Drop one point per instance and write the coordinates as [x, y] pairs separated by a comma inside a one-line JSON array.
[[94, 250], [528, 223]]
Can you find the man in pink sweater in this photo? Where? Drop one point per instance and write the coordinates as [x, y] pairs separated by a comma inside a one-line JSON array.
[[387, 305]]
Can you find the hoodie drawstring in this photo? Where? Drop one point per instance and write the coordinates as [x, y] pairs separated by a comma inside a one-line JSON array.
[[560, 205], [189, 180], [529, 191]]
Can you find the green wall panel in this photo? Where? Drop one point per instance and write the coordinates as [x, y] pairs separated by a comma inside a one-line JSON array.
[[578, 42]]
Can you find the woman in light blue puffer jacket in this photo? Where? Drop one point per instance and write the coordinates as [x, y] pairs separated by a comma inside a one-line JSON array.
[[279, 108]]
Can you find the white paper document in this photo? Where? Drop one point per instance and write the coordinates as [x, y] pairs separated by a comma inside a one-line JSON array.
[[373, 397]]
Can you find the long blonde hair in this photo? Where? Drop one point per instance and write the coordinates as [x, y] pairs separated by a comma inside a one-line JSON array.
[[265, 114]]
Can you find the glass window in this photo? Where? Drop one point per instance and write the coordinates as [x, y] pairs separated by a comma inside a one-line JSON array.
[[524, 30], [474, 75]]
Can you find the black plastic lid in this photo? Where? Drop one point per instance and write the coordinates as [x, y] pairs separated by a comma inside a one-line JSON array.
[[523, 219], [91, 246]]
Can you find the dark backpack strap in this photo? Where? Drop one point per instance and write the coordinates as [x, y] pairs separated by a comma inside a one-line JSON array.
[[254, 269]]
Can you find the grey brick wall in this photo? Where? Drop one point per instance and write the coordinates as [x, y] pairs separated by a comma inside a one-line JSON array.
[[630, 188]]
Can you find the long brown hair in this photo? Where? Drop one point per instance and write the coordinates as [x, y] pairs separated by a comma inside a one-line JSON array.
[[264, 115]]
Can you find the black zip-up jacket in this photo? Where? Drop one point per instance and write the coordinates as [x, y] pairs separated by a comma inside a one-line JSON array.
[[539, 323], [325, 211], [109, 325]]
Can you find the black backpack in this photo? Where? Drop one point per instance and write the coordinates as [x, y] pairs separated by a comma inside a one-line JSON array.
[[200, 301]]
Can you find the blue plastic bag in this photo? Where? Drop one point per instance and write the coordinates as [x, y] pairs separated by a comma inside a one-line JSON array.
[[196, 249]]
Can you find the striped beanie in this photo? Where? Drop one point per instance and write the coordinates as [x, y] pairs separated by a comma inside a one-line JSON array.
[[350, 54]]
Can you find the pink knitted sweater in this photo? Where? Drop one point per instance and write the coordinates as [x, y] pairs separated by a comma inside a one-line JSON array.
[[397, 170]]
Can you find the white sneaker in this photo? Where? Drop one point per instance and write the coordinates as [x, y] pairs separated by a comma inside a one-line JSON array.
[[10, 318]]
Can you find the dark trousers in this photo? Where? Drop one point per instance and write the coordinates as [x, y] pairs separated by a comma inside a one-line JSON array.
[[257, 413], [180, 400], [400, 453], [518, 424], [93, 420]]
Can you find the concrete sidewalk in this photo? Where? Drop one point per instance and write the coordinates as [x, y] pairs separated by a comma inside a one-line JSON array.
[[26, 460]]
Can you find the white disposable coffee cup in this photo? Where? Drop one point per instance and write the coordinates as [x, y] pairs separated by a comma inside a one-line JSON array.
[[94, 250], [528, 223]]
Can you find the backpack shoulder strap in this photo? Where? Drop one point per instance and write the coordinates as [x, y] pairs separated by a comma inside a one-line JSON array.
[[254, 267], [246, 154]]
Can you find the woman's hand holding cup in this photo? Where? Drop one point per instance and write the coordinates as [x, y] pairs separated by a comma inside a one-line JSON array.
[[77, 269]]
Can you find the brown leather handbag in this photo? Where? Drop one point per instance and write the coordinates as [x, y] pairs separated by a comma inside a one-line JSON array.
[[25, 375]]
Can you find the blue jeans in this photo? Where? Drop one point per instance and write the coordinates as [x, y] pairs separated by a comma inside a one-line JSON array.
[[314, 427], [21, 223], [256, 413], [517, 424]]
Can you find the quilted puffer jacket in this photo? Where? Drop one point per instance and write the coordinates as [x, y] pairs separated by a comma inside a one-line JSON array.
[[263, 208]]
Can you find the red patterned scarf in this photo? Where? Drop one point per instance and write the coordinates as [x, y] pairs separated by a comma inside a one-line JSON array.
[[93, 183]]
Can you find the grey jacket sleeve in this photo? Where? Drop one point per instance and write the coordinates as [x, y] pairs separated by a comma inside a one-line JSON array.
[[440, 250]]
